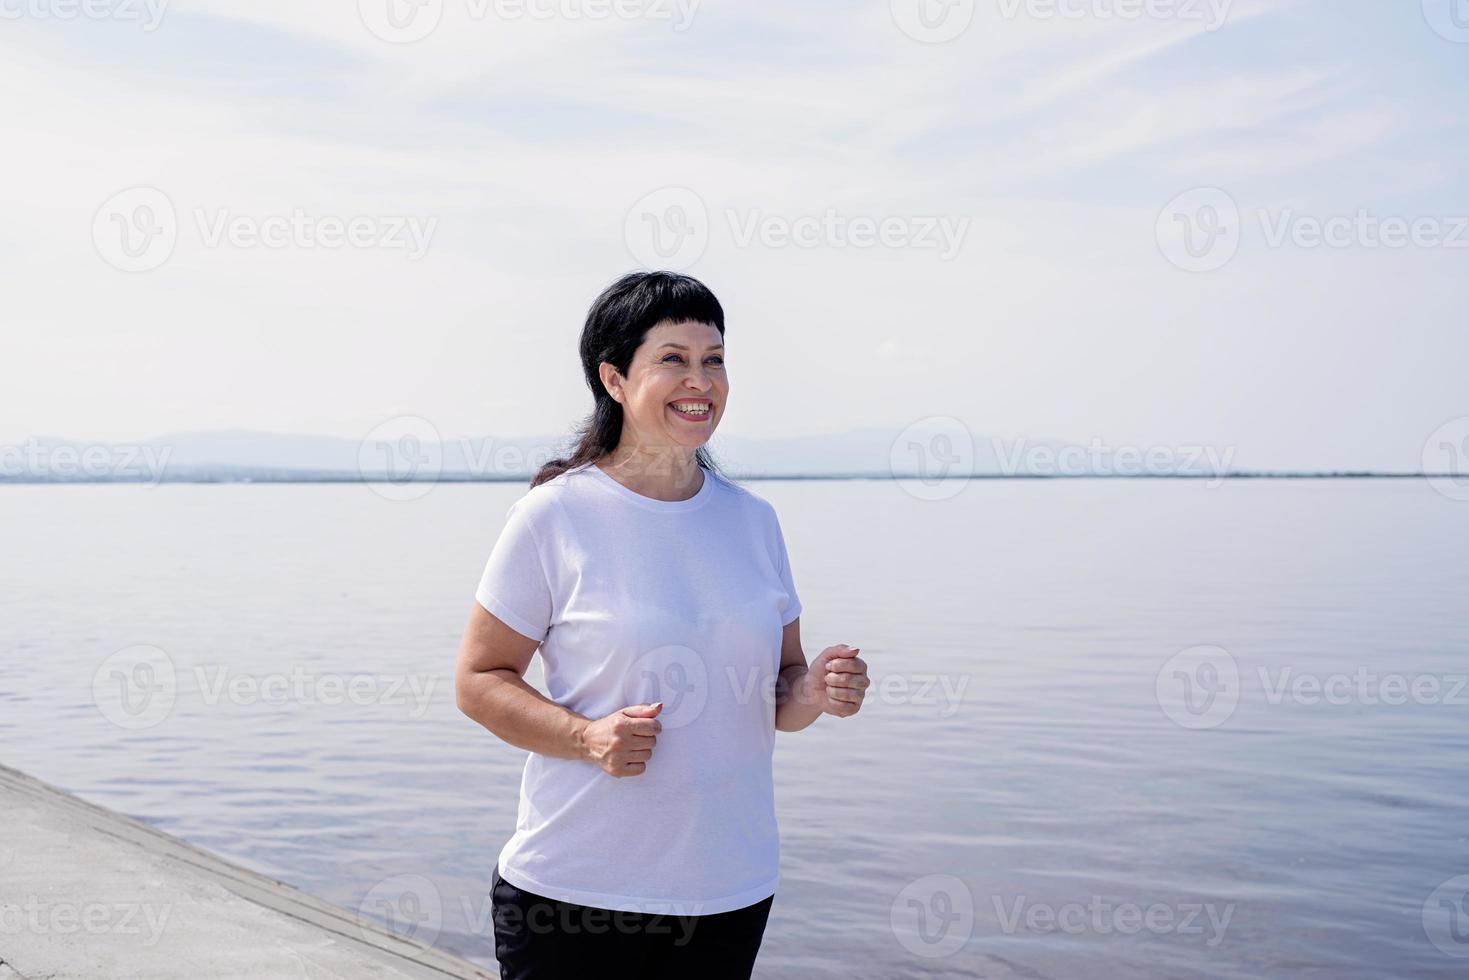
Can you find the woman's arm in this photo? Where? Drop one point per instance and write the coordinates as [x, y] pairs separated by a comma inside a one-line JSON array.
[[490, 687], [834, 684]]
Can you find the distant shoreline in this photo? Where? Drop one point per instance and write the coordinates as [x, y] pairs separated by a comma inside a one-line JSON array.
[[325, 478]]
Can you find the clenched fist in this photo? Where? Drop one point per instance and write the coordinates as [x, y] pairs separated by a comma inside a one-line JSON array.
[[837, 681], [622, 743]]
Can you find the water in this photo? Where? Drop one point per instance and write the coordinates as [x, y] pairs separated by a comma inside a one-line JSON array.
[[1013, 801]]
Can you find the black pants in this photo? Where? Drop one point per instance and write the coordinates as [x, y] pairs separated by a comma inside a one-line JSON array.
[[538, 938]]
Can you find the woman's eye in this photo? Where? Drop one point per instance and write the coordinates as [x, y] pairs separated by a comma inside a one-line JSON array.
[[678, 358]]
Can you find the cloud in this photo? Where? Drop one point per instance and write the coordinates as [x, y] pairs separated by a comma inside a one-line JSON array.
[[529, 140]]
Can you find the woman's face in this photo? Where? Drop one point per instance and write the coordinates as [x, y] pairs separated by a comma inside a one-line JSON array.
[[676, 387]]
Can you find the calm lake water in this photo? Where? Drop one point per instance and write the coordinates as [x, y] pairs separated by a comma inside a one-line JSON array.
[[1140, 729]]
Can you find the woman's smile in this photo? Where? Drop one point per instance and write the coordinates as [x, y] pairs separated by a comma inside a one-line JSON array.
[[697, 411]]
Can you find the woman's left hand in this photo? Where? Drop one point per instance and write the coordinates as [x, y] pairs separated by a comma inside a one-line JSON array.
[[839, 681]]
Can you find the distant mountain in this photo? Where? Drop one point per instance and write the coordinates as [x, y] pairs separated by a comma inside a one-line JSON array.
[[411, 450], [864, 452]]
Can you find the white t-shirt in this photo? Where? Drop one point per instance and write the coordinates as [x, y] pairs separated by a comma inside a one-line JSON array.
[[635, 601]]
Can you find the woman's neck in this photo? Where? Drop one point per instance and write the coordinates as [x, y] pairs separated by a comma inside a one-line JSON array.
[[664, 473]]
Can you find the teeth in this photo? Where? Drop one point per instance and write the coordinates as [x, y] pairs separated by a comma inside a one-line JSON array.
[[692, 409]]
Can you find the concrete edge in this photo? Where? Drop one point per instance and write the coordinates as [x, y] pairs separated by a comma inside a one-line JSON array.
[[409, 955]]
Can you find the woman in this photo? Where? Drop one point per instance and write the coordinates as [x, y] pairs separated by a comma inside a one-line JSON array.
[[662, 602]]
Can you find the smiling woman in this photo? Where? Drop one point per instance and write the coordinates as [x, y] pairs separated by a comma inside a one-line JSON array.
[[652, 352], [661, 598]]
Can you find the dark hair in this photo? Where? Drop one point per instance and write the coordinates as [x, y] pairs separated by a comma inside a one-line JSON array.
[[616, 324]]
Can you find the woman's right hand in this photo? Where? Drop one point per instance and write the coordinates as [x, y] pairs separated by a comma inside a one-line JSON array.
[[622, 743]]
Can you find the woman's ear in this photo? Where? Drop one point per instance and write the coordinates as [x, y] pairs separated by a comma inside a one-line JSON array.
[[611, 380]]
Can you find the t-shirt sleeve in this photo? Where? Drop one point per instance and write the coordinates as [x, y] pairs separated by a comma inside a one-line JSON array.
[[515, 586], [793, 609]]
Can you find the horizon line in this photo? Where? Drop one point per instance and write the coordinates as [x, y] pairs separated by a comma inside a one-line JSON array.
[[290, 477]]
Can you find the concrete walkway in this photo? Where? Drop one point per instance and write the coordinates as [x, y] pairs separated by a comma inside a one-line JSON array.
[[88, 894]]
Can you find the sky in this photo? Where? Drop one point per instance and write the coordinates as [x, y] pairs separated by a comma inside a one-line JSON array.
[[1141, 222]]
